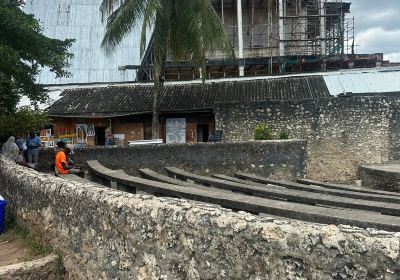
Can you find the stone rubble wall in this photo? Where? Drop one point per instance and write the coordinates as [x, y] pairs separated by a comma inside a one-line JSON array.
[[276, 159], [380, 178], [107, 234], [48, 268], [342, 132]]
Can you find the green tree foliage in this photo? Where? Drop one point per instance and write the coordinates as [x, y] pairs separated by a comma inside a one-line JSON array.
[[284, 135], [23, 51], [263, 132], [22, 121], [182, 28]]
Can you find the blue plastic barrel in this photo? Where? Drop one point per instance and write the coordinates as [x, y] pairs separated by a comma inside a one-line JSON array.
[[3, 204]]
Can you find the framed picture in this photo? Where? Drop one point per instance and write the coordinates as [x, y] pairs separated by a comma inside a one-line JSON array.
[[81, 133], [66, 132], [90, 130], [176, 130], [45, 132]]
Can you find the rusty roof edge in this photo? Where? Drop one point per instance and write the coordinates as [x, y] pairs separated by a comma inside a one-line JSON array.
[[98, 115]]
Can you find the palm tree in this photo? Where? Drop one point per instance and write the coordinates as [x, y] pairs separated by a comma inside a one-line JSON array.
[[181, 28]]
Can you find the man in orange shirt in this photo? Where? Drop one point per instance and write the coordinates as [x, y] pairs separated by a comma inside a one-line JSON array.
[[61, 163]]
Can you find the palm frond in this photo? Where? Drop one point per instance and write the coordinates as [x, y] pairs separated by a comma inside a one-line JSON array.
[[107, 6], [161, 37], [185, 28], [197, 29], [121, 22], [152, 7]]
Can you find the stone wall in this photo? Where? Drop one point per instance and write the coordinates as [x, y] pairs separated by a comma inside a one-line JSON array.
[[48, 268], [277, 159], [107, 234], [342, 132], [381, 177]]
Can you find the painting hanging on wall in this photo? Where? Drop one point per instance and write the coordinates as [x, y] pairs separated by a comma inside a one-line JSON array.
[[176, 130], [90, 130], [81, 133]]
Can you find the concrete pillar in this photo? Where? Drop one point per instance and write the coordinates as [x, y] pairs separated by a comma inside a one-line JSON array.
[[240, 35]]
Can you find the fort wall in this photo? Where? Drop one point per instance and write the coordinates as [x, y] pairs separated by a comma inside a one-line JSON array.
[[107, 234], [276, 159], [343, 132]]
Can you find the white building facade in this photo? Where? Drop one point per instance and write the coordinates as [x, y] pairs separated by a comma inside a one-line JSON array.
[[82, 20]]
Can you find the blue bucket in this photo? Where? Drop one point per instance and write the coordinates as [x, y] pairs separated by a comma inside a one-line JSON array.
[[3, 204]]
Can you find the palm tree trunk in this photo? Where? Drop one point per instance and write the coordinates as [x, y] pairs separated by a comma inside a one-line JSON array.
[[160, 56], [156, 95], [158, 69]]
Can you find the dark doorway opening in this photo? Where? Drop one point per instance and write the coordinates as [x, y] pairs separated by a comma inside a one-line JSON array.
[[100, 136], [147, 131], [202, 132]]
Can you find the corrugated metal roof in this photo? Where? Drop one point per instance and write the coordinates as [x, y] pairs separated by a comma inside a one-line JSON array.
[[374, 81]]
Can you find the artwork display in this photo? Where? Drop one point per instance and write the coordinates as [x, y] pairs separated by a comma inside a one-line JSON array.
[[176, 130], [46, 138], [109, 137], [81, 133], [90, 130], [45, 132], [66, 132], [119, 139]]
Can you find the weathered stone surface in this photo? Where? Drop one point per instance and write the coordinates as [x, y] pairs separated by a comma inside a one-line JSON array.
[[381, 177], [48, 268], [275, 159], [107, 234], [342, 132]]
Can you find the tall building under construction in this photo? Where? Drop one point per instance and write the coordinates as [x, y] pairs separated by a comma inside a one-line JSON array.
[[270, 37], [276, 37]]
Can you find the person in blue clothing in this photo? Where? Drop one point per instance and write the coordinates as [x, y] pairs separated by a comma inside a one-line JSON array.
[[33, 143]]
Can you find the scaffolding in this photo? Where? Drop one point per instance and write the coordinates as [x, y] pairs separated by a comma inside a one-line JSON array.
[[277, 36], [300, 27]]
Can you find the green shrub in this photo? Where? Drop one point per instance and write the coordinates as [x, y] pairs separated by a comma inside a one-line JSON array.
[[284, 135], [263, 132]]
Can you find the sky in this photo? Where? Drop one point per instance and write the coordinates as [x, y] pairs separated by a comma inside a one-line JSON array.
[[377, 27]]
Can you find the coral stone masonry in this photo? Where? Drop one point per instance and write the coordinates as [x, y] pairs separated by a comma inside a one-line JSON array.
[[108, 234], [343, 132]]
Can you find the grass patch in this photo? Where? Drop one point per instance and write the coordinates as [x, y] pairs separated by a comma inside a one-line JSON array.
[[18, 231]]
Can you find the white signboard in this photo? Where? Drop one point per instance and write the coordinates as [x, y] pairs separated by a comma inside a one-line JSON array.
[[176, 130]]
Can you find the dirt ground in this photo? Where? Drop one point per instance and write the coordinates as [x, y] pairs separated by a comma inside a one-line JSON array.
[[13, 250]]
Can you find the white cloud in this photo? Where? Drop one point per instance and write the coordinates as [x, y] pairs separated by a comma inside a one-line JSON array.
[[377, 26], [392, 57], [377, 39]]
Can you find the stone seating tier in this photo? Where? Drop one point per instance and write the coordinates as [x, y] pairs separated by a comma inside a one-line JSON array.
[[280, 201]]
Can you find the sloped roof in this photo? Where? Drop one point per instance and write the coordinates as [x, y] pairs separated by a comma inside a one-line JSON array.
[[377, 80], [124, 100]]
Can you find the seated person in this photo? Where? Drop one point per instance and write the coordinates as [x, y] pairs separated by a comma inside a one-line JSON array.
[[61, 163], [21, 159], [70, 162], [59, 146]]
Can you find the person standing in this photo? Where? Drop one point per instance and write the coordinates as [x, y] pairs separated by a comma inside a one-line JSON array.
[[10, 149], [33, 143]]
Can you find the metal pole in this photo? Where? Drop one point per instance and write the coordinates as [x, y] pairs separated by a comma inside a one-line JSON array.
[[322, 34], [252, 24], [240, 37], [281, 29]]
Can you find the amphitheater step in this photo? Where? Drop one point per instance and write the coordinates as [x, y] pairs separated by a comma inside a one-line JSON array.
[[253, 204]]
